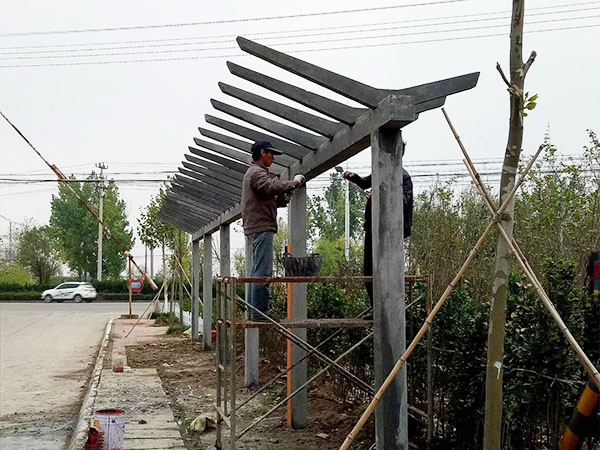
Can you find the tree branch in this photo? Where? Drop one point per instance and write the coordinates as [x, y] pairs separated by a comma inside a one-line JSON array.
[[499, 69], [529, 62]]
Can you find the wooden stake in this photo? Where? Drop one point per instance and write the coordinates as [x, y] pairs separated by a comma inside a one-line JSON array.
[[515, 249], [365, 416]]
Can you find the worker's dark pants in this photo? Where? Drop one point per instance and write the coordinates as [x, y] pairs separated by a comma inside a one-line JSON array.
[[368, 263]]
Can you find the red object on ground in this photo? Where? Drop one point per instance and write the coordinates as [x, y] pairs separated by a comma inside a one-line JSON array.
[[95, 440], [213, 336]]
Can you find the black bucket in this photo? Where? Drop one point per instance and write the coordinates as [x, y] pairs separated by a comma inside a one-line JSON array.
[[302, 266]]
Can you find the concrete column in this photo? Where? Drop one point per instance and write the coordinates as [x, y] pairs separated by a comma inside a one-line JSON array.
[[297, 238], [207, 292], [251, 334], [225, 271], [195, 288], [391, 417], [225, 250]]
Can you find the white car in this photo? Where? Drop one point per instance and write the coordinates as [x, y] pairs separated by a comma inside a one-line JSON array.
[[71, 290]]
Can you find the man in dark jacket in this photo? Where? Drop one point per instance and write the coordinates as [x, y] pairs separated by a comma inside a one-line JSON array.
[[262, 193], [407, 205]]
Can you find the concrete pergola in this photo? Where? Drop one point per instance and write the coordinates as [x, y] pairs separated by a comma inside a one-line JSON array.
[[204, 197]]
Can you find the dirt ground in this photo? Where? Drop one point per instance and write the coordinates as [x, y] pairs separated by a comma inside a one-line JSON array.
[[189, 378]]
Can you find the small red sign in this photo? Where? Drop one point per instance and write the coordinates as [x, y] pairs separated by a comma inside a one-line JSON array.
[[136, 285]]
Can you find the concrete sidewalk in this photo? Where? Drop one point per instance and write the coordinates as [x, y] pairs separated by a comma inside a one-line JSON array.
[[149, 421]]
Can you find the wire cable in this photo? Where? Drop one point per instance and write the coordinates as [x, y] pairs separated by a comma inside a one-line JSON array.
[[275, 34], [224, 21], [303, 42], [322, 49]]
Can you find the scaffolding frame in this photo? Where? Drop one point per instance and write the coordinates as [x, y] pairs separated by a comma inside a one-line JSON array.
[[227, 324]]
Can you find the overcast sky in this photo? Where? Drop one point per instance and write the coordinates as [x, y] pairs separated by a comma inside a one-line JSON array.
[[128, 83]]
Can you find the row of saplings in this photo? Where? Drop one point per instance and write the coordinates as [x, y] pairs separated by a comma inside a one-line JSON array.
[[542, 378]]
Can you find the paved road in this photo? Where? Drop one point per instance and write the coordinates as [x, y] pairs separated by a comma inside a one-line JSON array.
[[47, 352]]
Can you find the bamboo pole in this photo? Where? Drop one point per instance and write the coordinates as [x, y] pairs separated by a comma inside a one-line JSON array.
[[516, 250], [62, 178], [428, 321]]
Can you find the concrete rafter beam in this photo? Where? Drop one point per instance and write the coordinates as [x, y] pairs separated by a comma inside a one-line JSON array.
[[355, 90], [314, 123], [201, 195], [330, 108]]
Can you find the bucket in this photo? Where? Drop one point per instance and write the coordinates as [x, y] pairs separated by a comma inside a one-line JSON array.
[[302, 266], [112, 423]]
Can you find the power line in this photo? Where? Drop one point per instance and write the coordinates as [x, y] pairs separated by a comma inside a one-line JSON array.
[[226, 21], [43, 54], [322, 49], [413, 166], [281, 34]]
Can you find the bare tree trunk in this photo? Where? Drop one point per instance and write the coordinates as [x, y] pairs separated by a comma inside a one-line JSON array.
[[493, 412]]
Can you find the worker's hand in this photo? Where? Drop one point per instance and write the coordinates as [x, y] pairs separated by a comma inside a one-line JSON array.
[[368, 194], [348, 175], [299, 180]]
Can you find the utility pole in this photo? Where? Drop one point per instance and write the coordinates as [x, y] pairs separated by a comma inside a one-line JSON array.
[[347, 219], [340, 170], [101, 166]]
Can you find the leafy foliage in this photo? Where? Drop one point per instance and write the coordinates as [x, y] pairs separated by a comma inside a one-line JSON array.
[[326, 214], [559, 209], [152, 231], [38, 253], [73, 226], [13, 274]]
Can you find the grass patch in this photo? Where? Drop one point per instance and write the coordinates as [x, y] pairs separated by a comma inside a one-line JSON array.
[[162, 318], [177, 329]]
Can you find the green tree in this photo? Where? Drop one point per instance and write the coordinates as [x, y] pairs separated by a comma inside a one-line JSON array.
[[76, 228], [446, 225], [559, 207], [38, 253], [13, 273], [152, 231], [326, 213], [520, 103], [239, 263]]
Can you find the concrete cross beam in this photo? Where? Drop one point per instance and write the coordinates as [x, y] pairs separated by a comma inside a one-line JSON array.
[[331, 108], [314, 123], [231, 160], [183, 219], [200, 185], [165, 217], [192, 188], [198, 196], [216, 167], [197, 217], [234, 182], [191, 202], [254, 135], [242, 156], [355, 90], [221, 186]]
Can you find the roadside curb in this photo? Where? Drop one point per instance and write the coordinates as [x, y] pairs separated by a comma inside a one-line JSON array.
[[79, 435]]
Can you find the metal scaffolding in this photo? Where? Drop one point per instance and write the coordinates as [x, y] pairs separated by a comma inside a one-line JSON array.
[[228, 321]]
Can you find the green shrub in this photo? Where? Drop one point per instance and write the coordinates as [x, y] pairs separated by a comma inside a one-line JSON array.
[[164, 318], [177, 329]]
